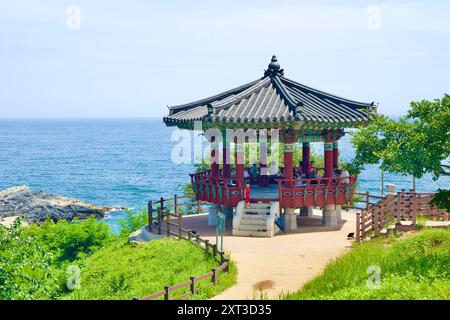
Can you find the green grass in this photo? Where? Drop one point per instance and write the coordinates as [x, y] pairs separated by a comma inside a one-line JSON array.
[[131, 270], [411, 268]]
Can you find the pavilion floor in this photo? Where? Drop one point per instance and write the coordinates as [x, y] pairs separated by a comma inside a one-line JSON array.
[[282, 263]]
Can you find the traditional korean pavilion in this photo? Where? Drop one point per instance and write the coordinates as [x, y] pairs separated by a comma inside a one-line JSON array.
[[298, 114]]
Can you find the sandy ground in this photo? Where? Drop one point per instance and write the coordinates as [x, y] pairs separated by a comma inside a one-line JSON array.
[[270, 266]]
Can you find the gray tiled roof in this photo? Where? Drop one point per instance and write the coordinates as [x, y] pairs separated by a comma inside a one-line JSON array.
[[270, 100]]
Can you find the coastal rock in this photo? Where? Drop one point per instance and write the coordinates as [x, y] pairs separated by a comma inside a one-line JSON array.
[[37, 206]]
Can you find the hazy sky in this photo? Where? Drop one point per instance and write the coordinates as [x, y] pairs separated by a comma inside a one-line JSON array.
[[133, 58]]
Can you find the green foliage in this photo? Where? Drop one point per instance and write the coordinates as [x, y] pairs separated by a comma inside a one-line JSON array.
[[411, 268], [27, 269], [187, 189], [125, 271], [132, 222], [441, 199], [34, 262], [416, 144], [71, 241], [33, 259]]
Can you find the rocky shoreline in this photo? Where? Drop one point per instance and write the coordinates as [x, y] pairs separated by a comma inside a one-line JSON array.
[[37, 206]]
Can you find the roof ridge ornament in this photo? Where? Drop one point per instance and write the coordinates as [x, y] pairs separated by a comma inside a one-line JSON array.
[[274, 68]]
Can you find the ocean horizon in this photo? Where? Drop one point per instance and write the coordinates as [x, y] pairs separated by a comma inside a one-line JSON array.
[[122, 162]]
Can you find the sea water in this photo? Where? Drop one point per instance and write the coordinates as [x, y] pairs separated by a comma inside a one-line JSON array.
[[122, 163]]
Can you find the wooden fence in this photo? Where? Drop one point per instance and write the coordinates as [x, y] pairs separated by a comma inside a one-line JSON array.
[[170, 223], [183, 205], [378, 212]]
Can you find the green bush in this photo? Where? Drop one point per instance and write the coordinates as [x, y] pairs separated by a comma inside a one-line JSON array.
[[36, 262], [27, 269], [70, 241], [132, 222]]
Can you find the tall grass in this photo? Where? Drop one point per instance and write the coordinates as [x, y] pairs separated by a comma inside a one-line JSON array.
[[411, 268], [132, 270]]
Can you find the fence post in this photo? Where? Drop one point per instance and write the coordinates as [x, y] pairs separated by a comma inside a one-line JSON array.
[[192, 286], [374, 210], [363, 223], [404, 213], [168, 222], [207, 245], [175, 204], [162, 203], [214, 250], [150, 215], [162, 212], [398, 207], [367, 200], [166, 293], [178, 214], [214, 276], [391, 204], [358, 226], [227, 266], [159, 220]]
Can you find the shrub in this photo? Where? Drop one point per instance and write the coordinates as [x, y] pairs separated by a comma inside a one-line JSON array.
[[70, 241]]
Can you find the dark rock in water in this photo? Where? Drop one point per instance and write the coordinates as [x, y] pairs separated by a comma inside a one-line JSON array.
[[37, 206]]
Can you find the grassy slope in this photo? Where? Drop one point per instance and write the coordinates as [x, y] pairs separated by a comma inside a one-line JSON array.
[[412, 268], [135, 270]]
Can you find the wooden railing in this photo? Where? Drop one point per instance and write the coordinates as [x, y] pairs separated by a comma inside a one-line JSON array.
[[220, 190], [173, 227], [377, 215], [301, 192], [184, 204], [292, 193]]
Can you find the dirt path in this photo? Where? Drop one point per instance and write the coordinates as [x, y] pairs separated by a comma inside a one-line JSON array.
[[283, 263]]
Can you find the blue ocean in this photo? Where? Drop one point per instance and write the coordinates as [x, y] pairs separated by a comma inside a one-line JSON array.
[[120, 163]]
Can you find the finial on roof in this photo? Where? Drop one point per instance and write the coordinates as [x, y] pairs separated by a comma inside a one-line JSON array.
[[274, 64], [274, 68]]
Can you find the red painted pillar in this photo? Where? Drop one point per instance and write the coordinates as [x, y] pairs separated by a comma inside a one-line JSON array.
[[288, 170], [226, 157], [335, 155], [328, 159], [214, 158], [306, 156], [239, 160]]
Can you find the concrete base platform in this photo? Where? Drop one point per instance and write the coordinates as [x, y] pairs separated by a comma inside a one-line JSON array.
[[143, 235]]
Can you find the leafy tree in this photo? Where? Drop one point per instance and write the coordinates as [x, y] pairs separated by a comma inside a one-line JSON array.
[[416, 144]]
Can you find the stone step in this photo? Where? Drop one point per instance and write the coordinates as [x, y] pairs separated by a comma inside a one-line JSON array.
[[254, 227], [260, 205], [256, 210], [255, 217]]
